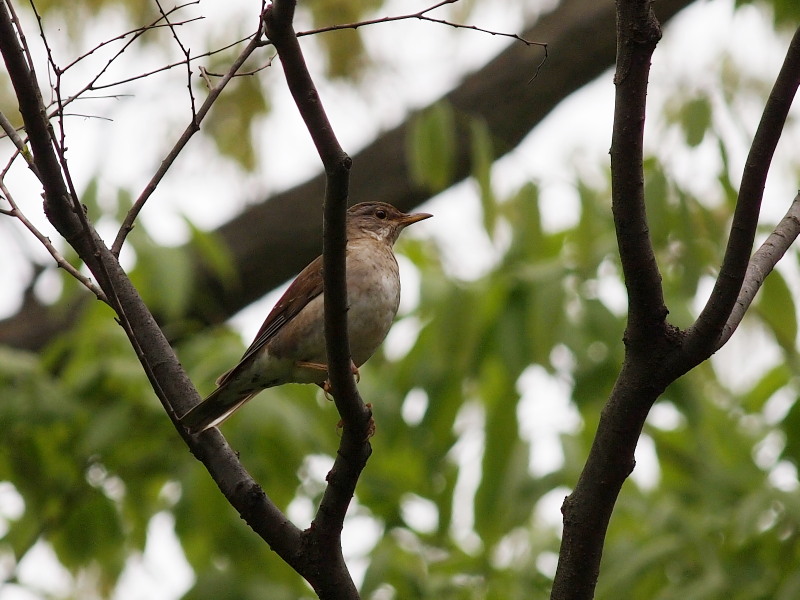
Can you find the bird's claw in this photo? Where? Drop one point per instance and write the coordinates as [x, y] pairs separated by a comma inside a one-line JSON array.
[[370, 425], [326, 386]]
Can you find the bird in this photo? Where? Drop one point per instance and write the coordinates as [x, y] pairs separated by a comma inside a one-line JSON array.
[[290, 346]]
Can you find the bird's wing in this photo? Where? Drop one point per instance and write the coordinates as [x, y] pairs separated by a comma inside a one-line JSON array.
[[306, 286]]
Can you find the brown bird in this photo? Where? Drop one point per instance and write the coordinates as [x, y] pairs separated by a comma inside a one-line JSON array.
[[290, 346]]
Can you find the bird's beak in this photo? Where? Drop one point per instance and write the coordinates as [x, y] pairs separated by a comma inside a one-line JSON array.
[[413, 218]]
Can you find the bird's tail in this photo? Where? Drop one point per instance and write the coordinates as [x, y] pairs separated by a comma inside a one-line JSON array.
[[218, 406]]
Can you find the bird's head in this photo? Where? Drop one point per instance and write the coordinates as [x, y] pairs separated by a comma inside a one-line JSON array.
[[380, 220]]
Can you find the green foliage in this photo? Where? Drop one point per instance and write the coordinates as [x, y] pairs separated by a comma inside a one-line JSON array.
[[234, 117], [431, 147], [786, 13]]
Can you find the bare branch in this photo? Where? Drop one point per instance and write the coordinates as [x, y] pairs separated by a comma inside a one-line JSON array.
[[761, 264], [587, 510], [186, 53], [421, 15], [635, 46], [136, 33], [59, 258], [192, 128], [703, 337]]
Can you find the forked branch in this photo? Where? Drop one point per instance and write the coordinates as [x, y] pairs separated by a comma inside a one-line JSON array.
[[703, 338]]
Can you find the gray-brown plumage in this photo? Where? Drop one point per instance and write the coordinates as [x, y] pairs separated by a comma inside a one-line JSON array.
[[290, 346]]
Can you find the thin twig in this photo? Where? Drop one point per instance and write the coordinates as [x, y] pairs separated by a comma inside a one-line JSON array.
[[191, 129], [166, 67], [60, 145], [421, 16], [57, 256], [136, 34], [186, 53], [22, 148], [761, 264]]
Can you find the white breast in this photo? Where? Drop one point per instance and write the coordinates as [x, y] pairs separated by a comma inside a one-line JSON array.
[[373, 295]]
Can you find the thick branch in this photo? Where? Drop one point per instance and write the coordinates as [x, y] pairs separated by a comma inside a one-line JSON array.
[[587, 510], [638, 32], [703, 338], [657, 354], [165, 373], [326, 570]]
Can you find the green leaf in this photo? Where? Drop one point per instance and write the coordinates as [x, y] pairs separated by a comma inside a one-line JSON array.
[[776, 308], [232, 120], [696, 120], [431, 147], [482, 158]]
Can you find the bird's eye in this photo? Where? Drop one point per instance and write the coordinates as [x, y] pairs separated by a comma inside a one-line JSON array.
[[380, 213]]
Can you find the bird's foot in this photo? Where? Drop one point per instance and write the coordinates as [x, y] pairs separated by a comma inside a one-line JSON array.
[[326, 385], [370, 425]]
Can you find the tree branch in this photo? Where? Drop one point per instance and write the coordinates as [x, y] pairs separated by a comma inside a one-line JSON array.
[[761, 264], [656, 353], [703, 337], [169, 381], [587, 510], [327, 571], [638, 32]]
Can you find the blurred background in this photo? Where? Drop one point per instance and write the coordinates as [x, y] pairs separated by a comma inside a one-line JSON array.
[[487, 392]]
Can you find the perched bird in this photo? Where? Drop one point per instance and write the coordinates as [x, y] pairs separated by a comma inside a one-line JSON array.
[[290, 346]]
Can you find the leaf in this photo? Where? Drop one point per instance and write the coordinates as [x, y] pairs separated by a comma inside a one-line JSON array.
[[776, 308], [696, 120], [772, 381], [431, 147], [213, 252], [163, 275], [232, 120], [482, 158]]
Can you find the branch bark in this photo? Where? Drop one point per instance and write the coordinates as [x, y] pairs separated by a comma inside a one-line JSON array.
[[325, 568], [703, 337], [159, 362], [656, 353]]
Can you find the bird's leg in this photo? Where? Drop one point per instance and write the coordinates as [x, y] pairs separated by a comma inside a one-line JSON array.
[[304, 364], [370, 426]]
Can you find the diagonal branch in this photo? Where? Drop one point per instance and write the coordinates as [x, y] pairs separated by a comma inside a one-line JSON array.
[[192, 128], [703, 337], [169, 380], [761, 264]]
